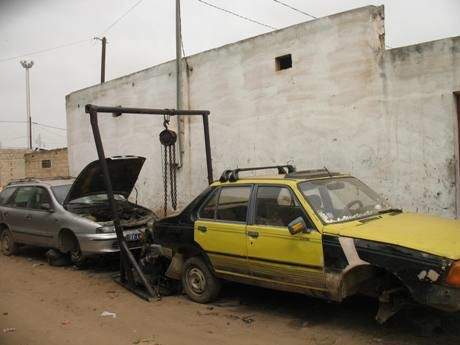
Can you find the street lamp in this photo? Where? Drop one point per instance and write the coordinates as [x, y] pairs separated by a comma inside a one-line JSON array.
[[28, 65]]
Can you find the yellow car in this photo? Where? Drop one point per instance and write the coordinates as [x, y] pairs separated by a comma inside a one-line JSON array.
[[314, 232]]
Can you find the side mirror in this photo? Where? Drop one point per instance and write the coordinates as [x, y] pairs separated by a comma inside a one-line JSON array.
[[297, 226], [46, 207]]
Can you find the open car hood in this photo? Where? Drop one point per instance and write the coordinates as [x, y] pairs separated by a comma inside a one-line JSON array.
[[123, 171]]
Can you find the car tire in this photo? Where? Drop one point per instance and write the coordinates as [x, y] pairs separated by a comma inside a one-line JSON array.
[[199, 282], [76, 256], [8, 246]]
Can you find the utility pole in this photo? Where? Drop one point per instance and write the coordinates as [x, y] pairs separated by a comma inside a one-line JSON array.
[[179, 103], [104, 44], [28, 65]]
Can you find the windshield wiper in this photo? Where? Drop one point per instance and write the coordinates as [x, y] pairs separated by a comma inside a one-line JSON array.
[[391, 210]]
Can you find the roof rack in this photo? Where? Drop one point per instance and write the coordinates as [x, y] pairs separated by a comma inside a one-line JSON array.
[[232, 175], [37, 180], [22, 180], [312, 173]]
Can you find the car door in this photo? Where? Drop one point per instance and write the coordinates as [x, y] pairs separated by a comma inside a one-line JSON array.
[[42, 223], [221, 229], [16, 214], [273, 252]]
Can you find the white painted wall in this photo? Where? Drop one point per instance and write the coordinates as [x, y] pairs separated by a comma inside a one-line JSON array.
[[387, 117]]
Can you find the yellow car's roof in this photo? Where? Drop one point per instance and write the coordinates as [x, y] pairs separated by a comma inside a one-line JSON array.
[[275, 179]]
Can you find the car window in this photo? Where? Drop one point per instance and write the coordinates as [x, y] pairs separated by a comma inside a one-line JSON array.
[[208, 210], [22, 198], [233, 203], [40, 197], [60, 192], [6, 194], [276, 206]]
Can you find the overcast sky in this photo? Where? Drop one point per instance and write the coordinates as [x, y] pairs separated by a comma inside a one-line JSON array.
[[146, 37]]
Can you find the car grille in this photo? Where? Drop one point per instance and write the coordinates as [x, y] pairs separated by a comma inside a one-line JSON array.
[[133, 244]]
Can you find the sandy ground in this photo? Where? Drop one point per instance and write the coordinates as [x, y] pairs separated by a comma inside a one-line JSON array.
[[55, 305]]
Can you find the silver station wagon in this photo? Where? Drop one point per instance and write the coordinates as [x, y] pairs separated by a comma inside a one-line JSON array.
[[73, 215]]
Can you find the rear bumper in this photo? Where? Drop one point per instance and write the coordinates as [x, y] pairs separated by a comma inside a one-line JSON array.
[[105, 243]]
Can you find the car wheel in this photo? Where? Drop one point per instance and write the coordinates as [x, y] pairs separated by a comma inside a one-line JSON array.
[[9, 247], [199, 282], [76, 256]]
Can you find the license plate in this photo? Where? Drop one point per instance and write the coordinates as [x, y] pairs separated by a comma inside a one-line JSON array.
[[136, 236]]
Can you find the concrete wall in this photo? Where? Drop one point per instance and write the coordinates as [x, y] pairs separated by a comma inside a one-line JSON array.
[[58, 159], [384, 116], [12, 165]]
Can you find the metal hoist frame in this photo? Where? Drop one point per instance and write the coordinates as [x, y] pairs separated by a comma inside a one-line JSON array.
[[128, 264]]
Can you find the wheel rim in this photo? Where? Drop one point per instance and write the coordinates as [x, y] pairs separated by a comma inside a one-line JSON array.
[[6, 243], [196, 280], [75, 254]]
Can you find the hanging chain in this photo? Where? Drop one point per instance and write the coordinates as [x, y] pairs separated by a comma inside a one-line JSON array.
[[168, 140], [165, 182]]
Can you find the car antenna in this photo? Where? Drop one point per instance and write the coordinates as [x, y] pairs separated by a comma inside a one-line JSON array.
[[328, 172]]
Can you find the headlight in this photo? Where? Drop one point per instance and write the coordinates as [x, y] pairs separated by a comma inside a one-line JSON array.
[[453, 278], [105, 229]]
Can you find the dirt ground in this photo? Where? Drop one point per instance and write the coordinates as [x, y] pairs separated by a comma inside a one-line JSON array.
[[43, 305]]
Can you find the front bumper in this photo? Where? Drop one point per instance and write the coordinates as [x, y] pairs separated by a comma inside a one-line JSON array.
[[107, 243], [441, 297]]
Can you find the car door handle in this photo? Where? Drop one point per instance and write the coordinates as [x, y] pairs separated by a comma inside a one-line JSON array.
[[5, 214], [28, 216], [253, 234], [202, 228]]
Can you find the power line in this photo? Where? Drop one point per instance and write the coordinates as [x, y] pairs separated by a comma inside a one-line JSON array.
[[51, 132], [295, 9], [74, 42], [122, 16], [45, 50], [237, 15], [48, 126], [7, 121]]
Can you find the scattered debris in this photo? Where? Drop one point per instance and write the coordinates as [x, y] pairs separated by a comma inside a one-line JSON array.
[[5, 314], [211, 313], [109, 314], [248, 319], [56, 258], [36, 265], [9, 330], [65, 322], [144, 340]]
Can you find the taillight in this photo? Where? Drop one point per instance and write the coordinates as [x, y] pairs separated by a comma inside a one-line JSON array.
[[453, 278]]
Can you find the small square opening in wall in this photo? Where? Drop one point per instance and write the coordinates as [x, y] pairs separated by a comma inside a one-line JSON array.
[[46, 163], [283, 62]]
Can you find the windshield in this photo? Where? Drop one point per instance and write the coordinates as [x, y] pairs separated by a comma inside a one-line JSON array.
[[342, 199], [96, 199], [60, 192]]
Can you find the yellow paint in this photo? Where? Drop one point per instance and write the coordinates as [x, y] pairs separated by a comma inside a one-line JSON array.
[[434, 235], [291, 258]]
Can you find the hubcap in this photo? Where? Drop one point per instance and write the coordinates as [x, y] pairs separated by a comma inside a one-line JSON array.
[[196, 280]]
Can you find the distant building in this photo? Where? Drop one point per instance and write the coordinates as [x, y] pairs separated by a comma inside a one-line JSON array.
[[322, 93], [12, 165], [20, 163], [47, 163]]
